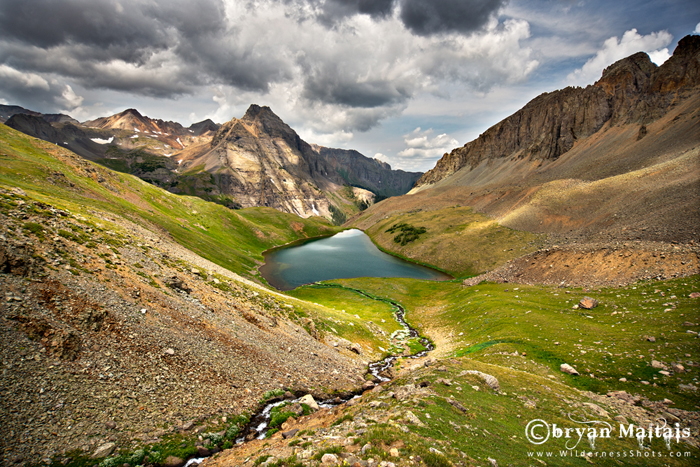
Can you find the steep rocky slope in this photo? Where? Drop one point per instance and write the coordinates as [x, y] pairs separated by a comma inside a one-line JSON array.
[[632, 91], [370, 174], [259, 160], [114, 334], [618, 161]]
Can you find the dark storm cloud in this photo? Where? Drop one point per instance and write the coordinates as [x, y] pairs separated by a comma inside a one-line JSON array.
[[334, 9], [426, 17], [128, 30], [332, 90]]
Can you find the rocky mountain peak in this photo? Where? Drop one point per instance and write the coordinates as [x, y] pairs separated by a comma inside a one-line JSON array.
[[133, 112], [632, 73], [631, 91]]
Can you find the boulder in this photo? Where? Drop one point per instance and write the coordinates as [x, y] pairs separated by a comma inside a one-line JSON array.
[[657, 364], [104, 450], [329, 459], [176, 283], [355, 347], [410, 417], [490, 381], [588, 303], [568, 369], [598, 410], [368, 385], [310, 401]]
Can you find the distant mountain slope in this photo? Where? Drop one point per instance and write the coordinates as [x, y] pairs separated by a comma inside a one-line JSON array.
[[611, 163], [631, 91], [7, 111], [370, 174], [259, 160], [77, 139]]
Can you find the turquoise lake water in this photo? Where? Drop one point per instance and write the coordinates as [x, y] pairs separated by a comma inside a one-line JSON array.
[[347, 254]]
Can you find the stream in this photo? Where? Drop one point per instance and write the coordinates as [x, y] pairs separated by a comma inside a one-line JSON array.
[[259, 422]]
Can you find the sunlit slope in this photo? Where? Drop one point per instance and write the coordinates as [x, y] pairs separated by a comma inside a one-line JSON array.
[[232, 239]]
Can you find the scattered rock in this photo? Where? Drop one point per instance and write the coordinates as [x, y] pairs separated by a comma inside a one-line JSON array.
[[588, 303], [104, 450], [355, 347], [624, 396], [290, 433], [677, 367], [568, 369], [176, 283], [598, 410], [651, 339], [694, 295], [657, 364], [393, 452], [111, 425], [490, 380], [173, 461], [188, 425], [457, 405], [410, 417], [310, 401]]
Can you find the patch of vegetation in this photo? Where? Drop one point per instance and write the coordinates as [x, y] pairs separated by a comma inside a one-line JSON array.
[[338, 217], [407, 233], [34, 228], [272, 393]]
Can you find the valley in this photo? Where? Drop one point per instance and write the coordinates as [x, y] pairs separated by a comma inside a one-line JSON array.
[[137, 328]]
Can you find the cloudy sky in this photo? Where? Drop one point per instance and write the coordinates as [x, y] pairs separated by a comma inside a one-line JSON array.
[[401, 80]]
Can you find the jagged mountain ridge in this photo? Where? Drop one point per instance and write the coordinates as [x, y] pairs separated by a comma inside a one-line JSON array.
[[175, 136], [614, 162], [259, 160], [632, 90], [370, 174], [7, 111]]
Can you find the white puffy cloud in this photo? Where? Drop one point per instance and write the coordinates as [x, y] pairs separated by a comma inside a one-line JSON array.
[[697, 29], [615, 49], [70, 99], [422, 149], [16, 78]]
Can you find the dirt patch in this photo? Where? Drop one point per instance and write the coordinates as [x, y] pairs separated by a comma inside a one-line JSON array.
[[598, 266]]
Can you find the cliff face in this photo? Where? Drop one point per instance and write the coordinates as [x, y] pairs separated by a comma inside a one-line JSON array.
[[371, 174], [632, 90], [259, 160]]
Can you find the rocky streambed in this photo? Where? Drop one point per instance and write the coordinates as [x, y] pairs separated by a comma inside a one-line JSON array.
[[259, 424]]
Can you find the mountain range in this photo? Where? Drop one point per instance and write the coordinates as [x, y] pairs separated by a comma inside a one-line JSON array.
[[136, 327], [257, 160]]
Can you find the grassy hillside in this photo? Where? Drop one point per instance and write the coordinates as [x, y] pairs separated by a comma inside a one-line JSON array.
[[457, 239], [232, 239], [490, 322]]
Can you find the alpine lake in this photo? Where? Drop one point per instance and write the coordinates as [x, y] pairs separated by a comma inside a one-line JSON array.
[[347, 254]]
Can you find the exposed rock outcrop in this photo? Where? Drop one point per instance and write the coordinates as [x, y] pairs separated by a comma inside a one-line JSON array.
[[631, 90], [259, 160]]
